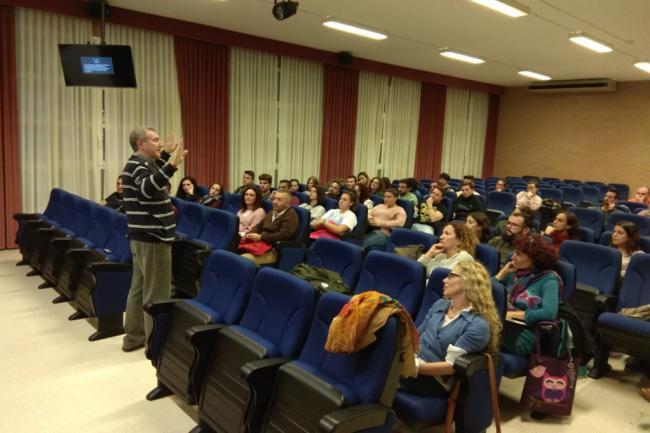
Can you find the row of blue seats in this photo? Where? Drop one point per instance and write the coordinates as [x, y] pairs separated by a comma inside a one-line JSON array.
[[80, 248], [225, 351]]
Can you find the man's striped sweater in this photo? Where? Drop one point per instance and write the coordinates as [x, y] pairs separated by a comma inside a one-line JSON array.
[[148, 207]]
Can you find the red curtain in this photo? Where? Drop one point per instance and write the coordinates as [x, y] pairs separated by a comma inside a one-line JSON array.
[[341, 88], [428, 154], [203, 70], [10, 201], [491, 136]]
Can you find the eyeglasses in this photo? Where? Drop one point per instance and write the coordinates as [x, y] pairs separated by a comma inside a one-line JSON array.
[[509, 223]]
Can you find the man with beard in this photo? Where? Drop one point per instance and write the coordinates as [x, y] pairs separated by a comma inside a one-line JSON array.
[[520, 223]]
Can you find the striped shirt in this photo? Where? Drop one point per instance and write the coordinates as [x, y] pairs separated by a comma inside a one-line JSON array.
[[148, 207]]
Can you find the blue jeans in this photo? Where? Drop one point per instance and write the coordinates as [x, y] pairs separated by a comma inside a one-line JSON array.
[[375, 240]]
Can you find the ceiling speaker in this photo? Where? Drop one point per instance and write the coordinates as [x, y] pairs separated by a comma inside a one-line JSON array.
[[344, 58]]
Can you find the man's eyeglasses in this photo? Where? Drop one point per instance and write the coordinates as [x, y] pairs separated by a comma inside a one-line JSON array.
[[510, 223]]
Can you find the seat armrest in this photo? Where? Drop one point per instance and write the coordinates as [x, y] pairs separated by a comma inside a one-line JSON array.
[[606, 303], [353, 236], [47, 232], [202, 254], [19, 216], [289, 244], [159, 307], [198, 245], [353, 419], [96, 268], [260, 376], [469, 364], [261, 368], [198, 335], [66, 242]]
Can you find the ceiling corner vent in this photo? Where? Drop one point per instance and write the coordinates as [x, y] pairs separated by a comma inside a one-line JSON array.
[[574, 86]]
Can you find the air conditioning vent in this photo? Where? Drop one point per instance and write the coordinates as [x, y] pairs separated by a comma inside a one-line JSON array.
[[573, 86]]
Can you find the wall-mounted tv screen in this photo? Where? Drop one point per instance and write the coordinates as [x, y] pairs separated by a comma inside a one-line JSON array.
[[97, 65]]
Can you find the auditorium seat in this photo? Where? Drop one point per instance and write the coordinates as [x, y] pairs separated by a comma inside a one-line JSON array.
[[398, 277], [330, 392], [226, 284], [341, 257], [409, 208], [400, 237], [626, 334], [500, 203], [631, 205], [572, 195], [622, 188], [231, 202], [489, 257], [189, 221], [273, 329], [292, 252], [590, 218], [552, 193], [590, 194]]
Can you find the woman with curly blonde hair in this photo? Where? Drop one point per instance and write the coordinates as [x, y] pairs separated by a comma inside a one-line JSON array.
[[457, 244], [464, 321]]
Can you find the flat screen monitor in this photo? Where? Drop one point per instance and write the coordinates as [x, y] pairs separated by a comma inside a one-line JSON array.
[[97, 65]]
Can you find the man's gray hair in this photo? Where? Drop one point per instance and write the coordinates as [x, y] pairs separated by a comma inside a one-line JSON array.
[[136, 135]]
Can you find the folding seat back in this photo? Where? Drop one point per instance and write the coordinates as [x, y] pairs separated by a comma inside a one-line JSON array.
[[451, 195], [567, 273], [590, 218], [635, 290], [117, 248], [267, 205], [632, 205], [302, 197], [377, 199], [398, 277], [596, 266], [552, 193], [489, 257], [587, 235], [341, 257], [449, 204], [642, 223], [590, 194], [409, 208], [362, 219], [231, 202], [55, 209], [432, 292], [226, 284], [275, 324], [645, 243], [101, 222], [180, 206], [400, 237], [329, 382], [202, 190], [501, 201], [481, 191], [330, 203], [191, 222], [219, 230], [573, 181]]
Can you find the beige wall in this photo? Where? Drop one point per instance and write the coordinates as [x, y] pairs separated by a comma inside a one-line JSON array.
[[586, 136]]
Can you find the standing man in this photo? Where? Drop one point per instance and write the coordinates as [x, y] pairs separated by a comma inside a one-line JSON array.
[[151, 227]]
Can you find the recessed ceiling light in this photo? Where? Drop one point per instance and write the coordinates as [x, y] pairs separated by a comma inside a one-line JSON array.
[[446, 52], [534, 75], [644, 66], [355, 29], [581, 38], [511, 8]]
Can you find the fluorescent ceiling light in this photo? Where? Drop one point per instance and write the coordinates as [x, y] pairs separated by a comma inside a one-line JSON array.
[[644, 66], [460, 56], [590, 42], [534, 75], [507, 7], [355, 29]]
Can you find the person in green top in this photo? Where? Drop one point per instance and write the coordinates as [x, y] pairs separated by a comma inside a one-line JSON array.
[[534, 291]]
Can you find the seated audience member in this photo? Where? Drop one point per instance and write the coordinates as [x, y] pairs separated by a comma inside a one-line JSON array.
[[520, 223], [312, 181], [386, 183], [336, 222], [214, 197], [334, 190], [285, 185], [316, 204], [265, 180], [534, 291], [625, 238], [350, 181], [500, 186], [467, 201], [564, 227], [405, 193], [457, 244], [443, 182], [641, 196], [115, 200], [433, 212], [247, 179], [188, 189], [479, 223], [251, 212], [609, 202], [529, 198], [468, 178], [294, 186], [376, 186], [383, 218], [363, 179], [465, 321], [364, 197], [280, 224]]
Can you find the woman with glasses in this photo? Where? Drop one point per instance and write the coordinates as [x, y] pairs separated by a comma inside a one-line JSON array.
[[534, 291], [464, 321]]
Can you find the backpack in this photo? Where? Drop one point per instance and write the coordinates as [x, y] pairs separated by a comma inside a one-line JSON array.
[[584, 346], [322, 280]]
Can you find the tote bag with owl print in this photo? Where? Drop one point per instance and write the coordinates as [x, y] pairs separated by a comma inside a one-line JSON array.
[[551, 381]]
